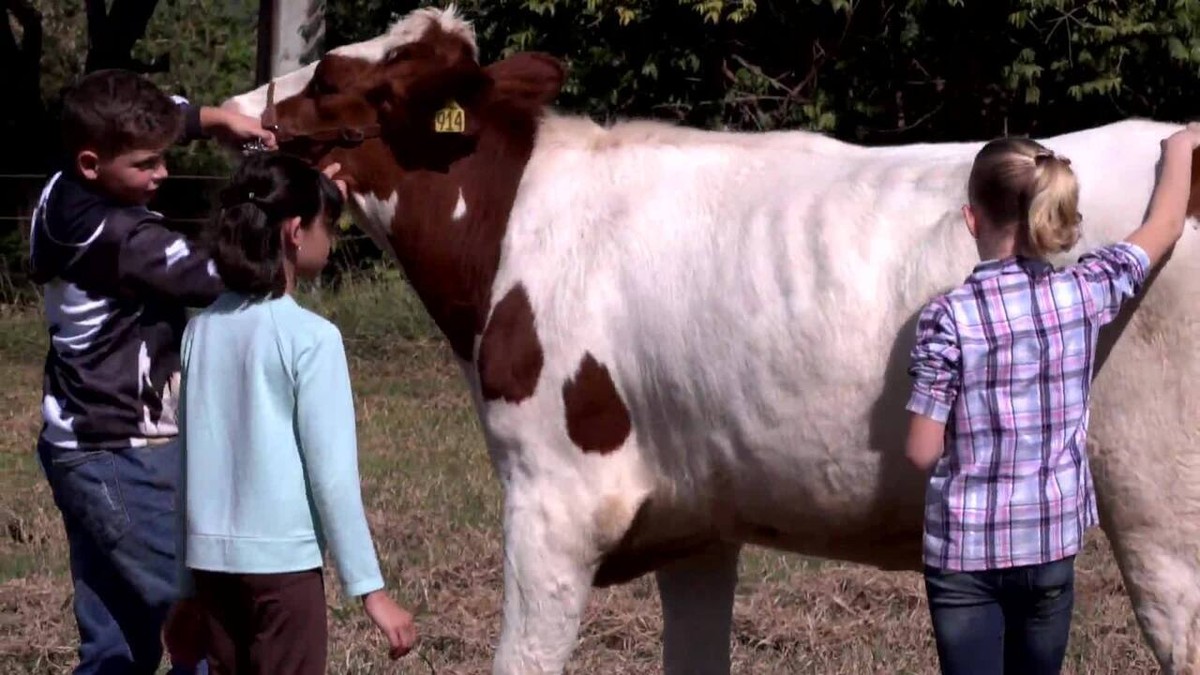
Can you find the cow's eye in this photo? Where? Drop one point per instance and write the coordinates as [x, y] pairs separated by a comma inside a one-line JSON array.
[[398, 54], [407, 52], [320, 87]]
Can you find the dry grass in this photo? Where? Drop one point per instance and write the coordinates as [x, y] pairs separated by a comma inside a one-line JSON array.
[[435, 512]]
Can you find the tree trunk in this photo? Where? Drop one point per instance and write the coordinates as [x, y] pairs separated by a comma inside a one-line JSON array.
[[113, 33], [22, 120]]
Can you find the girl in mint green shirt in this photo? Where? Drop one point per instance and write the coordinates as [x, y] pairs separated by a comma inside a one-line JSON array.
[[270, 454]]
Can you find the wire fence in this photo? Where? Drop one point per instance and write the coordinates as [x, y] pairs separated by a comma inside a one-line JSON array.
[[19, 193], [186, 201]]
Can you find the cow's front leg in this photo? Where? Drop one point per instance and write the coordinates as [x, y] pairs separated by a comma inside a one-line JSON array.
[[697, 599], [548, 568]]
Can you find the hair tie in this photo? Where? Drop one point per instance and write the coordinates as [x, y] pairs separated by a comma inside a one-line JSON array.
[[236, 199], [1047, 155]]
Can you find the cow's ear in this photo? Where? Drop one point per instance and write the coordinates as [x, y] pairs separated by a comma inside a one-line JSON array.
[[426, 112], [529, 80], [422, 87]]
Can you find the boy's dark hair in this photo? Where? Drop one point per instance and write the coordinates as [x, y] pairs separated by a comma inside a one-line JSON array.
[[114, 111], [266, 190]]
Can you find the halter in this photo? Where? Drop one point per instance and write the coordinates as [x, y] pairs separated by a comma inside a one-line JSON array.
[[343, 135]]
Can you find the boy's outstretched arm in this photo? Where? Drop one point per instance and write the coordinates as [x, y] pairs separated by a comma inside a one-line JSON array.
[[231, 128]]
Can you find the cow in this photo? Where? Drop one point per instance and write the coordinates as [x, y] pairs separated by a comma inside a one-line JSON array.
[[681, 341]]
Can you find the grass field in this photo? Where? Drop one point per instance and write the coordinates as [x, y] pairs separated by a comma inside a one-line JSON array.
[[434, 508]]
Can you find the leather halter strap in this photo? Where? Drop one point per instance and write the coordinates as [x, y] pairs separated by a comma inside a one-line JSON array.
[[341, 135]]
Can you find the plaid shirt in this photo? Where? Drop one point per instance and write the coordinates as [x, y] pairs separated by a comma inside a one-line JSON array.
[[1005, 360]]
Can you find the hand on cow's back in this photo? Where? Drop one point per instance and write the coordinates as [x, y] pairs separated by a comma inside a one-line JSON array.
[[1176, 195]]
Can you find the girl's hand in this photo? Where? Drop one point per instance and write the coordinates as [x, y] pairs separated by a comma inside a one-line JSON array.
[[1173, 199], [331, 171], [1188, 137], [395, 623]]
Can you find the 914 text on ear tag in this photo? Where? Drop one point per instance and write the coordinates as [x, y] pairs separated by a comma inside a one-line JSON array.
[[450, 120]]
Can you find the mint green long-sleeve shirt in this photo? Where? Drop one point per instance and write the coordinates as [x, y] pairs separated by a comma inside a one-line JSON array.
[[270, 452]]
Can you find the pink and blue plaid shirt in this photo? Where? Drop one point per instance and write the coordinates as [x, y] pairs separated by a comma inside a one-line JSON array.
[[1006, 360]]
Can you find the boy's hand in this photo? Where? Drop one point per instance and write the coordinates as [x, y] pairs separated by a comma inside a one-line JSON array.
[[234, 128], [395, 623]]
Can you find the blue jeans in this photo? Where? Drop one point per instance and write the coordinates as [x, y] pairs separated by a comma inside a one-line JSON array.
[[118, 507], [1002, 622]]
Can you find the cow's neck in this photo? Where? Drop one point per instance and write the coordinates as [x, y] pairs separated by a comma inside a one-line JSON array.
[[448, 229]]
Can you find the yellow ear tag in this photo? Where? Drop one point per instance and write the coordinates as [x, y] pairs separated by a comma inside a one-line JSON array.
[[450, 120]]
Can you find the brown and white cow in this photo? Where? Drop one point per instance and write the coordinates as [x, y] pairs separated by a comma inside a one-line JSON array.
[[683, 341]]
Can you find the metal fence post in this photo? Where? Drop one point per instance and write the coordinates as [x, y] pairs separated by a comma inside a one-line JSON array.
[[291, 34]]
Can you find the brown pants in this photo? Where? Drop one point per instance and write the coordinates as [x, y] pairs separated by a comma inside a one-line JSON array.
[[265, 624]]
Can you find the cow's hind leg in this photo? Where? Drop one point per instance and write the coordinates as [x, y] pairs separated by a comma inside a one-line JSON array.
[[548, 571], [697, 600], [1162, 573], [1145, 457]]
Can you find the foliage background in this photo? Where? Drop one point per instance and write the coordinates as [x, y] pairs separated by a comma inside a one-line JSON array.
[[881, 72], [873, 72]]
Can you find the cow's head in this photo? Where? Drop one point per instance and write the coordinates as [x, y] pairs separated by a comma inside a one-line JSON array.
[[437, 174], [418, 91]]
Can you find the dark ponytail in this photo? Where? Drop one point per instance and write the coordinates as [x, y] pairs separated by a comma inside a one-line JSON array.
[[246, 239]]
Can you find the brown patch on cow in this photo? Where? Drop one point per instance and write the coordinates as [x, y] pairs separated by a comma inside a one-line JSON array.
[[661, 534], [645, 548], [450, 263], [1193, 208], [510, 356], [880, 540], [624, 565], [597, 419]]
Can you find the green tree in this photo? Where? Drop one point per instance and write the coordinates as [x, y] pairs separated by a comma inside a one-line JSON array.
[[879, 72]]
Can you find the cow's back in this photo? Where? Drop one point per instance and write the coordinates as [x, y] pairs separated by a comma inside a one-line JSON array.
[[754, 297]]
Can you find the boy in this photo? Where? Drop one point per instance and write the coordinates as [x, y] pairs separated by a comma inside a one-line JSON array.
[[116, 282]]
